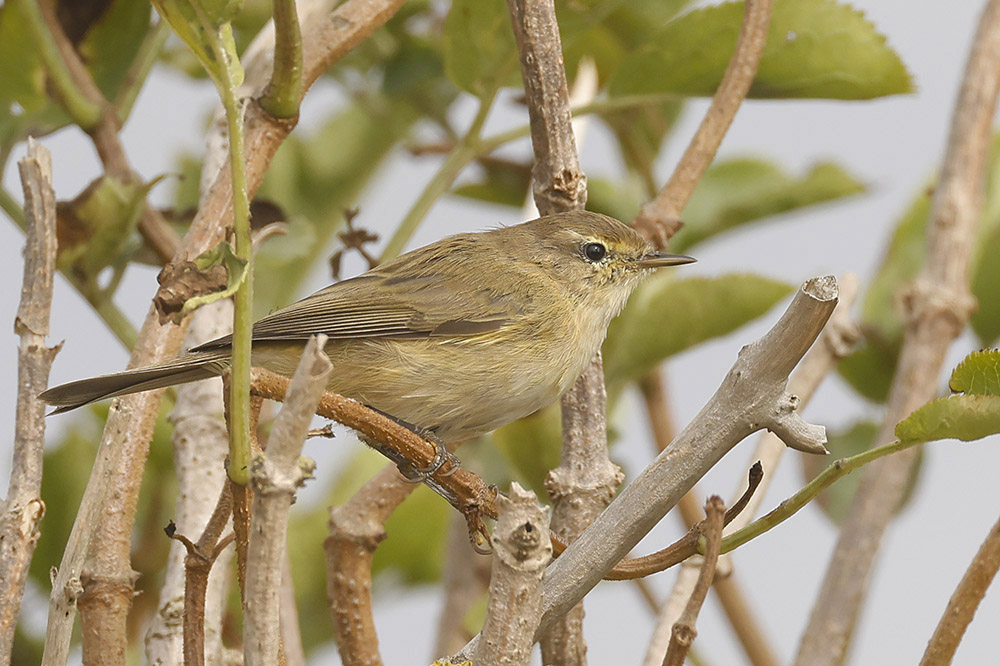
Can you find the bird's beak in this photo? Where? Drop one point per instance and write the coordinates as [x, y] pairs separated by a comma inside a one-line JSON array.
[[657, 259]]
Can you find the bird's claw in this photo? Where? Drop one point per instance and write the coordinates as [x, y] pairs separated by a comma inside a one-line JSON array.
[[442, 457]]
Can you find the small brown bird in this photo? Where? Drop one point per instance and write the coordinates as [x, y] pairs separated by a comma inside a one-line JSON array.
[[458, 338]]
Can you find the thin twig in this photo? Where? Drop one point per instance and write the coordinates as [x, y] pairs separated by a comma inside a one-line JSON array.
[[23, 508], [637, 568], [522, 548], [660, 218], [276, 476], [751, 397], [964, 602], [938, 308], [684, 631], [581, 487], [198, 564]]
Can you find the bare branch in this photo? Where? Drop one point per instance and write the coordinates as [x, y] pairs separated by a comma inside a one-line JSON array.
[[744, 403], [521, 548], [356, 529], [659, 219], [964, 602], [581, 487], [684, 633], [276, 476], [23, 508], [559, 184], [939, 307]]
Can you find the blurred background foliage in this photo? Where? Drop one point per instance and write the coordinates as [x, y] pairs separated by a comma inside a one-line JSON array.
[[402, 86]]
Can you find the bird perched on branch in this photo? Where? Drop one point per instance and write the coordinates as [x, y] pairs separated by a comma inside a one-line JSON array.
[[457, 338]]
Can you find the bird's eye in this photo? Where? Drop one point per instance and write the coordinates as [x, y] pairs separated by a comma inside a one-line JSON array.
[[594, 251]]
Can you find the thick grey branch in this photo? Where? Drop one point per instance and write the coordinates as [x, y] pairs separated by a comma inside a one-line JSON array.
[[522, 548], [275, 477], [23, 509]]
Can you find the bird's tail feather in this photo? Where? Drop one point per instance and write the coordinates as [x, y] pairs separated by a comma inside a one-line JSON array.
[[185, 369]]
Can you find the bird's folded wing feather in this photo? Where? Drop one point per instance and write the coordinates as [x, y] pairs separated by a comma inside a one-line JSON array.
[[374, 305]]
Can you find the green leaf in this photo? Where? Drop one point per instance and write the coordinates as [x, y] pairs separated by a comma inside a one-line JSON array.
[[985, 287], [815, 49], [640, 132], [96, 228], [978, 373], [502, 182], [607, 30], [532, 446], [965, 417], [738, 191], [667, 315], [112, 43], [479, 50], [972, 415], [870, 367], [22, 75], [236, 274], [836, 500]]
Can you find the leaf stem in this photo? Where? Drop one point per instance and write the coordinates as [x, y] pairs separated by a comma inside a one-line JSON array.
[[281, 98], [85, 112], [239, 393], [788, 508], [466, 150]]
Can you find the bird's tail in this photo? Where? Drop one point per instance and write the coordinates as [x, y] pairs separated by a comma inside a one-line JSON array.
[[189, 368]]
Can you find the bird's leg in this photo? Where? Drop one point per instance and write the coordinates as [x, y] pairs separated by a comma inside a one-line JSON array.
[[441, 456], [411, 472]]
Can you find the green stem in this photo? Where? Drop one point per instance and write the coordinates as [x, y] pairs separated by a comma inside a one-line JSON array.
[[84, 112], [283, 93], [149, 53], [239, 397], [788, 508], [466, 150]]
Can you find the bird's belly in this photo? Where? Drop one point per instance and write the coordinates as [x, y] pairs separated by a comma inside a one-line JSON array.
[[458, 390]]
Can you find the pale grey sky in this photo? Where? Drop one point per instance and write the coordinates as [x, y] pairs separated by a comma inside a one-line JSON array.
[[891, 144]]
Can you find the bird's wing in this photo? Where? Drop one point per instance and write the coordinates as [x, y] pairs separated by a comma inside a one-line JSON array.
[[374, 305]]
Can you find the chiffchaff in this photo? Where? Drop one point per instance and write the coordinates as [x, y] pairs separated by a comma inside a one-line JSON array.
[[457, 338]]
